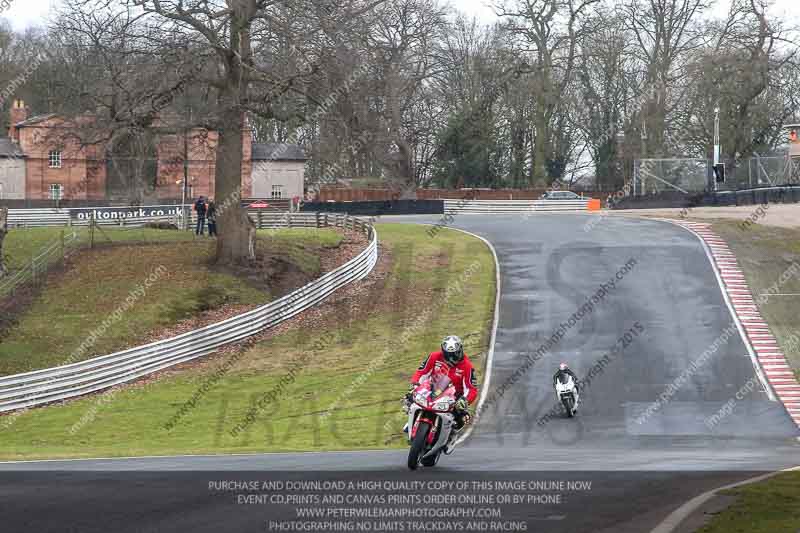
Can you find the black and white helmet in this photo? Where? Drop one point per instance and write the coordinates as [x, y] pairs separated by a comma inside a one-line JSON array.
[[453, 349]]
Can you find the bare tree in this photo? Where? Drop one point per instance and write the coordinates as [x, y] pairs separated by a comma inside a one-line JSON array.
[[548, 31], [397, 92], [605, 91], [403, 44], [115, 91], [476, 75], [742, 74], [665, 32], [224, 50]]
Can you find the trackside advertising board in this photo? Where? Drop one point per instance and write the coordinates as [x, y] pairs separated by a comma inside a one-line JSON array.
[[121, 213]]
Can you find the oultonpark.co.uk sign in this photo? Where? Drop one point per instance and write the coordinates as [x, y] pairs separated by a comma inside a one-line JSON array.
[[122, 213]]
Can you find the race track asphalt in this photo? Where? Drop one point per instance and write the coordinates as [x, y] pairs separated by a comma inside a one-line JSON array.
[[655, 327]]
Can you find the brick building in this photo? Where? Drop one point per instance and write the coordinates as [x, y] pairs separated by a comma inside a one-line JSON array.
[[44, 158]]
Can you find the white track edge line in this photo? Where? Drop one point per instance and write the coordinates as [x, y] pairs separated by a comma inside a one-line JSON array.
[[492, 339], [181, 456]]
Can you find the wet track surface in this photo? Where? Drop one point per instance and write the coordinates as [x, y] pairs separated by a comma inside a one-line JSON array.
[[634, 304]]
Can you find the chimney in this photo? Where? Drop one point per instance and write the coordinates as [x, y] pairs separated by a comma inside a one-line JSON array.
[[19, 113]]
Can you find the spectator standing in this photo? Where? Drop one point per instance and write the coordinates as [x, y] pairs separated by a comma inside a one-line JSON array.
[[211, 215], [200, 209]]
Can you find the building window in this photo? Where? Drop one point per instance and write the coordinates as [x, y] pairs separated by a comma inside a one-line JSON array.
[[56, 190], [277, 191], [54, 158]]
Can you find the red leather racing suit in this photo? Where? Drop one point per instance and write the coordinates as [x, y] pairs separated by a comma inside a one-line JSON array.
[[462, 375]]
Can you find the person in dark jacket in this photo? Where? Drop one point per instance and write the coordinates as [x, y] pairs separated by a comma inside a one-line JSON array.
[[211, 215], [200, 209]]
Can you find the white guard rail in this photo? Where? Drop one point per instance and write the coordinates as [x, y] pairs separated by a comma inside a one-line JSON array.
[[37, 217], [513, 206], [264, 218], [68, 381], [65, 217]]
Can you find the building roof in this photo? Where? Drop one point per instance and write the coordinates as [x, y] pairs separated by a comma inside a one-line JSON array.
[[278, 152], [8, 148], [35, 120]]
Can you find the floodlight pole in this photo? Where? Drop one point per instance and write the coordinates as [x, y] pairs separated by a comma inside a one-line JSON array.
[[717, 147], [185, 170], [185, 221]]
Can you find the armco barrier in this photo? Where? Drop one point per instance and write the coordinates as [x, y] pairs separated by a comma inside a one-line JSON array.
[[68, 381], [378, 208], [37, 217], [453, 207], [264, 218], [110, 216]]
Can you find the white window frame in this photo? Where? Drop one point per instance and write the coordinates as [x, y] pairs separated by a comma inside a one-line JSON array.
[[54, 159], [277, 189], [56, 188]]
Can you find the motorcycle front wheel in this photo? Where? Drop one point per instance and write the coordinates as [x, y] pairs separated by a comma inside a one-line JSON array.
[[432, 460], [418, 445], [568, 406]]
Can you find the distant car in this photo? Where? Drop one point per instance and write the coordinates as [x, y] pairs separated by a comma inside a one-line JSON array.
[[258, 205], [561, 195]]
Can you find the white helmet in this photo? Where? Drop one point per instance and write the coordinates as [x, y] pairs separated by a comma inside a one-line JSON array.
[[453, 349]]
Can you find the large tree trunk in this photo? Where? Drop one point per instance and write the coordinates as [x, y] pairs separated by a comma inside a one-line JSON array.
[[236, 242], [539, 170], [3, 231]]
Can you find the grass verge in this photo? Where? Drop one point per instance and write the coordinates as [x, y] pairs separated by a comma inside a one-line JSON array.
[[22, 244], [766, 507], [330, 382], [767, 254], [157, 284]]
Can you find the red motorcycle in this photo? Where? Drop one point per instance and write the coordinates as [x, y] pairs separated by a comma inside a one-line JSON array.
[[430, 419]]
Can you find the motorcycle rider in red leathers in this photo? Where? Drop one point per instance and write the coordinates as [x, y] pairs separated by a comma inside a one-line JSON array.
[[451, 358]]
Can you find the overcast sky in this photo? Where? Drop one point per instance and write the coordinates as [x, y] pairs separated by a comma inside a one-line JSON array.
[[25, 13]]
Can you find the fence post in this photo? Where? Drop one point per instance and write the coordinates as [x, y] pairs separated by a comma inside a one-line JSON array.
[[3, 232], [260, 220]]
